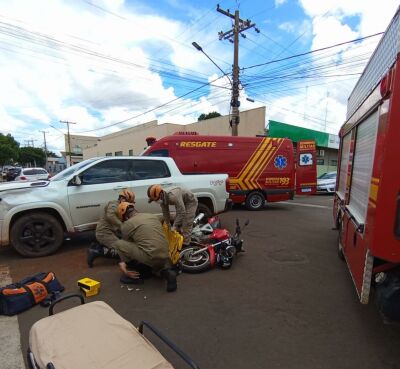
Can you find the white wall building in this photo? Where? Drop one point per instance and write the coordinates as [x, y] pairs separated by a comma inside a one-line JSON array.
[[132, 141]]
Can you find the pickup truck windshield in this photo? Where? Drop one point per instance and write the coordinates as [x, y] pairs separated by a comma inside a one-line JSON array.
[[71, 170]]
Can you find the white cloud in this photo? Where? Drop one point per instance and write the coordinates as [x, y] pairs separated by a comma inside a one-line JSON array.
[[324, 107], [103, 64], [101, 70], [279, 3]]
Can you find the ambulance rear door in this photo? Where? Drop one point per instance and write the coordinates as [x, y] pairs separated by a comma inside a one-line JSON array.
[[306, 168]]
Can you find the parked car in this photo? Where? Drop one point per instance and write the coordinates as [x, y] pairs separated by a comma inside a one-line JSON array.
[[326, 182], [35, 215], [9, 173], [32, 174]]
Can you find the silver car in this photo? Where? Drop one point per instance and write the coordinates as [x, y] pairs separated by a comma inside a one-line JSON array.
[[32, 174], [326, 182]]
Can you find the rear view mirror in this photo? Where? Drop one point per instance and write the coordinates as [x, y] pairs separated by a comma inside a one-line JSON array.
[[76, 181]]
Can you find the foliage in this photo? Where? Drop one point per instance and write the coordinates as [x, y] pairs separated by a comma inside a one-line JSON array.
[[32, 156], [51, 154], [213, 114], [8, 149]]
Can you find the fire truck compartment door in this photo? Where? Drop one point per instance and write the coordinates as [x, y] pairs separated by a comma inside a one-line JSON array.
[[357, 255], [306, 168]]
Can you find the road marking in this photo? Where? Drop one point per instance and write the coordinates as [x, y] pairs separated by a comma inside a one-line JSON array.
[[306, 205], [10, 348]]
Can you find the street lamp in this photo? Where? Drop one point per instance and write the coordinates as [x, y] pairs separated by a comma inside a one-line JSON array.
[[199, 48]]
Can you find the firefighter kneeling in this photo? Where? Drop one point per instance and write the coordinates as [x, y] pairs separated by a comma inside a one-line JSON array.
[[143, 241]]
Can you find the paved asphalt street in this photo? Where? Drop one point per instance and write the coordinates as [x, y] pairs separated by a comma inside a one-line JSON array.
[[289, 302]]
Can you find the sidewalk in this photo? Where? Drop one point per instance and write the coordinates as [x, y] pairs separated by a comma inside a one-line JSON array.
[[10, 348]]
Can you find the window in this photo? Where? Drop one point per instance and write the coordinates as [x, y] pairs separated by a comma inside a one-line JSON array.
[[344, 163], [107, 172], [108, 153], [30, 172], [362, 166], [333, 163], [320, 162], [330, 175], [321, 153], [77, 150], [130, 152], [162, 153], [148, 169], [118, 153]]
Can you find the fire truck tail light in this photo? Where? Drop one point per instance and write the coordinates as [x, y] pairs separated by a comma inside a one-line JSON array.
[[386, 84], [227, 185], [397, 221]]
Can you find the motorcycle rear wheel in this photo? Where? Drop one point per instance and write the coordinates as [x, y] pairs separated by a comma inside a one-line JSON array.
[[194, 263]]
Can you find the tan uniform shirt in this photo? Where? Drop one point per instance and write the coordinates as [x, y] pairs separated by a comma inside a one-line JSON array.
[[109, 221], [182, 199], [146, 232]]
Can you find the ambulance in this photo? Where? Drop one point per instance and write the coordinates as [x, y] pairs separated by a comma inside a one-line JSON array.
[[367, 199], [260, 169]]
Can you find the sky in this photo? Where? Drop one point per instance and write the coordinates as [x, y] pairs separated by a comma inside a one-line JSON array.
[[111, 64]]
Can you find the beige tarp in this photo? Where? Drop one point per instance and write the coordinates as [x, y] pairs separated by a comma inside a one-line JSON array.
[[92, 336]]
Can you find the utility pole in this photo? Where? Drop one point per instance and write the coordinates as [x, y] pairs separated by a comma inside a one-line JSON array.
[[69, 140], [239, 26], [45, 148], [30, 143], [326, 108]]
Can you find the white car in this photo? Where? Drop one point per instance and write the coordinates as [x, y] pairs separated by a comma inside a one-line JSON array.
[[35, 215], [326, 182], [32, 174]]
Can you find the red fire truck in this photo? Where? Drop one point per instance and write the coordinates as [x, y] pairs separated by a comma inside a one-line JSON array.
[[367, 199], [260, 168]]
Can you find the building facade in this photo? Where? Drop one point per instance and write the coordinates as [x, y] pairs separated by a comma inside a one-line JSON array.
[[55, 165], [132, 141], [327, 144]]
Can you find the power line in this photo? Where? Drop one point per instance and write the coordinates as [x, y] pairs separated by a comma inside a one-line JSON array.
[[47, 41], [313, 51]]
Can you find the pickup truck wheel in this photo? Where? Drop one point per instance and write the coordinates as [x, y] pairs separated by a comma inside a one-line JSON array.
[[203, 208], [255, 201], [37, 234]]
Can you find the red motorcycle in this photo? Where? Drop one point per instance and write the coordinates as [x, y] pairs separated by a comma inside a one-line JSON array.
[[211, 246]]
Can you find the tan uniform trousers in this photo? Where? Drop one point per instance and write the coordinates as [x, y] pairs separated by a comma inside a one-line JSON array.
[[187, 224], [185, 203], [144, 241], [133, 251], [106, 237]]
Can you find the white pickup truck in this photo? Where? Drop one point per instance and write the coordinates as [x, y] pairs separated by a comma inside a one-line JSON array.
[[34, 216]]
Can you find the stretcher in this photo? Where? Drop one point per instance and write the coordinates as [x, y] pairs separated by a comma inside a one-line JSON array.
[[93, 336]]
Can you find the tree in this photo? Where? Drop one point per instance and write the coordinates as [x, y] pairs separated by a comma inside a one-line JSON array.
[[213, 114], [8, 149], [51, 154], [32, 156]]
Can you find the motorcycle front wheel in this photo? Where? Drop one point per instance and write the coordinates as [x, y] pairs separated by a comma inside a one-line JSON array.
[[194, 263]]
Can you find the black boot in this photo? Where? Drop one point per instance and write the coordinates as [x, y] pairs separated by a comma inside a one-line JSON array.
[[110, 253], [127, 280], [93, 252], [170, 276], [145, 271]]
